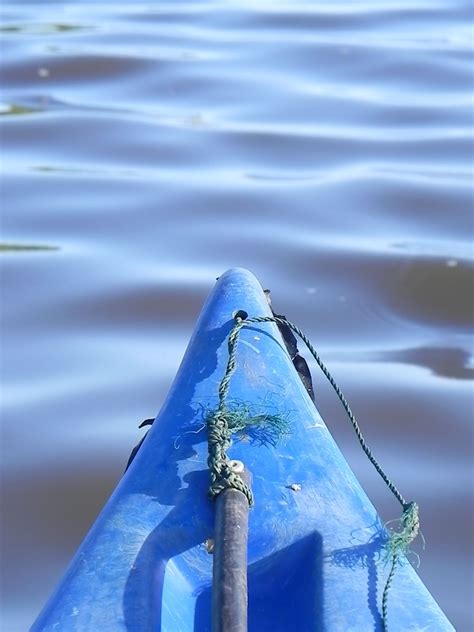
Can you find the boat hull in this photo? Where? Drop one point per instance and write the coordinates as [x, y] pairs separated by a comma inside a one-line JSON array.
[[315, 540]]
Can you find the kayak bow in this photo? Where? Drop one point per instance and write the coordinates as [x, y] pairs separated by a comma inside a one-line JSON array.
[[315, 542]]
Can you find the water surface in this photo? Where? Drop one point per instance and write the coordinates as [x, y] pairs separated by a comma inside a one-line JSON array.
[[149, 146]]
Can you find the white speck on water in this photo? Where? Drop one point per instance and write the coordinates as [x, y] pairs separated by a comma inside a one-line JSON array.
[[43, 73], [452, 263], [75, 611]]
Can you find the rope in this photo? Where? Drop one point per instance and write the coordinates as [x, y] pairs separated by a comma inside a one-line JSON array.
[[339, 393], [219, 441], [388, 584], [219, 432], [397, 545]]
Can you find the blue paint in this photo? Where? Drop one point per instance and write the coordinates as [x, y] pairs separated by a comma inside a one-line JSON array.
[[313, 554]]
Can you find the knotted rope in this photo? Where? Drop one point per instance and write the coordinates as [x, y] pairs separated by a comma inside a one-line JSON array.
[[219, 431], [220, 425]]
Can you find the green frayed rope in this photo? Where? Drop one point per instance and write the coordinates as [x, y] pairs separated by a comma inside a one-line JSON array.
[[264, 429], [221, 425], [399, 541], [398, 544], [219, 441]]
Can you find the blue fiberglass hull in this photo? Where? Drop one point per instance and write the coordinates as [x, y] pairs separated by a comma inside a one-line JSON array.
[[313, 553]]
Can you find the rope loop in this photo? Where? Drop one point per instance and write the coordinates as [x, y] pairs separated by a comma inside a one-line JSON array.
[[219, 441]]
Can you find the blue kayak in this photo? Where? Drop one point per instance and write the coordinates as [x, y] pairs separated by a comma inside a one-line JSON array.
[[315, 542]]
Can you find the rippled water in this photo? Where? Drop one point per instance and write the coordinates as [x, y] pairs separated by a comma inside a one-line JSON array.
[[149, 146]]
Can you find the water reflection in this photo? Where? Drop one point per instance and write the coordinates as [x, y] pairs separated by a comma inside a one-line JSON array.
[[15, 110], [444, 362], [41, 29], [26, 247], [437, 292]]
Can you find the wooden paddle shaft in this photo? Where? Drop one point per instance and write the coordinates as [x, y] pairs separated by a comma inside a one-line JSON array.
[[229, 573]]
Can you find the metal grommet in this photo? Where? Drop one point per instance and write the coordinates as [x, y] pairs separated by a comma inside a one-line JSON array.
[[240, 314], [236, 466]]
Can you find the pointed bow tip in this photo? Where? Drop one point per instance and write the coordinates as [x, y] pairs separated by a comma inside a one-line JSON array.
[[239, 276]]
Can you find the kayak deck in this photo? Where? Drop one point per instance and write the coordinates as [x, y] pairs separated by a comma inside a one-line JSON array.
[[315, 539]]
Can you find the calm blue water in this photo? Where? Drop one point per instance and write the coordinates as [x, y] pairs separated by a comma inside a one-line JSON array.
[[149, 146]]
